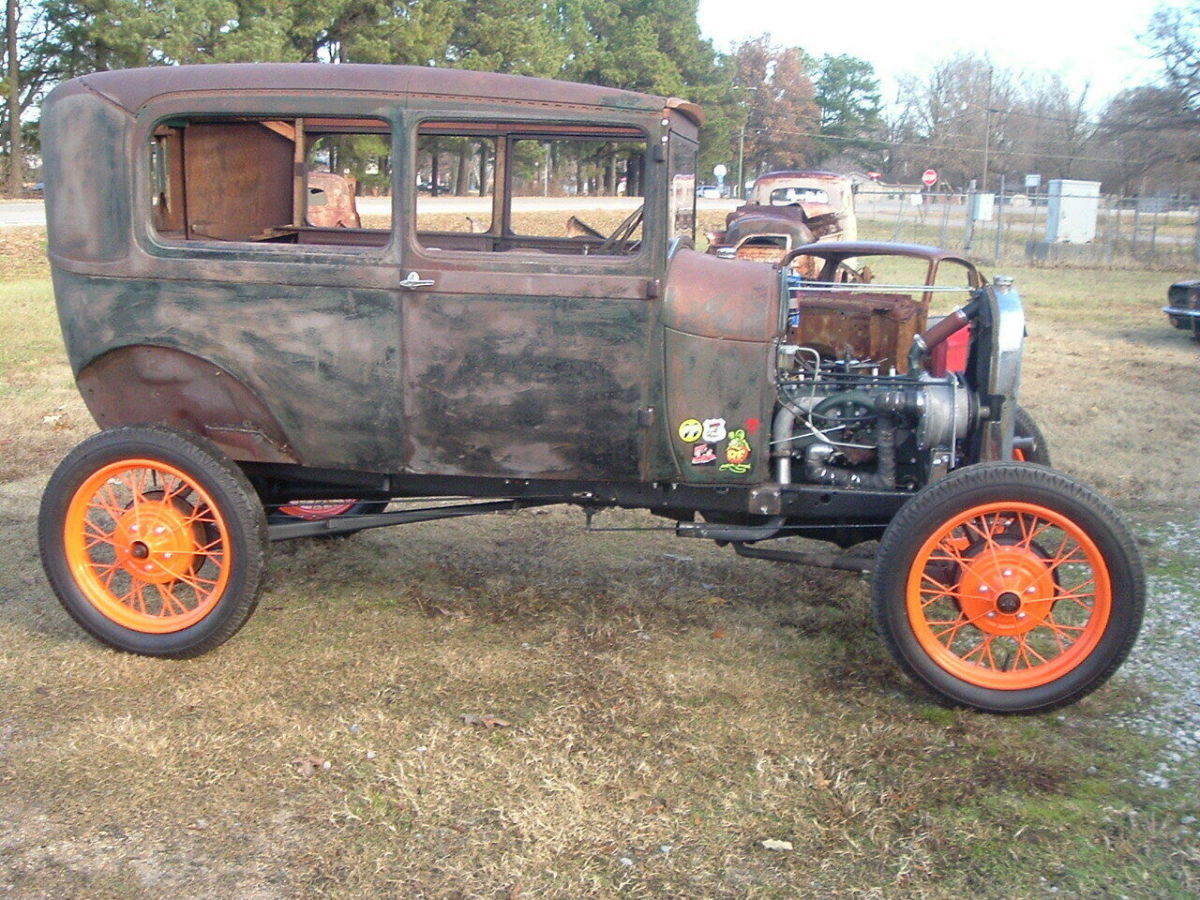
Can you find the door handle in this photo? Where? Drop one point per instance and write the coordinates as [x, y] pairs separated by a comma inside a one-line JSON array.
[[413, 281]]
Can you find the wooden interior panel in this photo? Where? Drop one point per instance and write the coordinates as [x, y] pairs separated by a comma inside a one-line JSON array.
[[238, 180]]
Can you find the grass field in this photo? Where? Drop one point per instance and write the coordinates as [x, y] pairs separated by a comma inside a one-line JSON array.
[[668, 705]]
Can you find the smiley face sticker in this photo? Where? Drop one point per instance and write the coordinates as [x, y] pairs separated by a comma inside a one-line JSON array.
[[690, 430]]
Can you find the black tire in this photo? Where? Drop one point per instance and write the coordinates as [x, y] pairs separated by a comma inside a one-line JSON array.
[[1008, 588], [154, 542], [1026, 427]]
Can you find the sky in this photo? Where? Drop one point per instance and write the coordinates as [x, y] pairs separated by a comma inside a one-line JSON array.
[[1092, 46]]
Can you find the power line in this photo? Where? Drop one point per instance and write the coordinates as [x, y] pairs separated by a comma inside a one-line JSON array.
[[958, 148]]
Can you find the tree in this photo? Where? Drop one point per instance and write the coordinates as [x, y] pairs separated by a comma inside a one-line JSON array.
[[1150, 134], [1050, 131], [781, 115], [957, 118], [847, 94], [13, 76], [27, 70], [1174, 37], [520, 37]]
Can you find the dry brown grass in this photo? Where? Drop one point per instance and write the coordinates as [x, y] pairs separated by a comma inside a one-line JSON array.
[[670, 705]]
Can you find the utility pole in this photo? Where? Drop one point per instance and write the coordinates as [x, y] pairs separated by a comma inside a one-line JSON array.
[[741, 182], [987, 131], [15, 175]]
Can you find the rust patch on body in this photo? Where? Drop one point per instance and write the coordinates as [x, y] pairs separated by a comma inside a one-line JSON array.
[[135, 385]]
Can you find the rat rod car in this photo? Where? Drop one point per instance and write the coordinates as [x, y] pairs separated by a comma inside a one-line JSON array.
[[247, 364], [786, 210]]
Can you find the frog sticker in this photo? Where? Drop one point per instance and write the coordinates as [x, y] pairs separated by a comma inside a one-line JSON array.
[[737, 453]]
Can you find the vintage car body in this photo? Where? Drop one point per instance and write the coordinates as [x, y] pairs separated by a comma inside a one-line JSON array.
[[248, 363], [1183, 306], [786, 210]]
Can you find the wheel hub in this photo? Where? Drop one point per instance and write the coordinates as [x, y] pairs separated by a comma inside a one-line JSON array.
[[1007, 590], [1008, 603], [156, 540]]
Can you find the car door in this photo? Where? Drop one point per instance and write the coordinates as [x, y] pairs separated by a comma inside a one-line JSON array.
[[529, 298]]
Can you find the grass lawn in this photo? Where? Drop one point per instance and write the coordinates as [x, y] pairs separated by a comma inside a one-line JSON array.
[[668, 705]]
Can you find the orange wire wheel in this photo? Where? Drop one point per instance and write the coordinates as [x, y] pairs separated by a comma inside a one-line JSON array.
[[147, 545], [316, 510], [320, 510], [1009, 588], [1008, 595], [153, 541]]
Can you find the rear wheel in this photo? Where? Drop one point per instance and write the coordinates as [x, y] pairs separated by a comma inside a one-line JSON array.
[[1008, 588], [320, 510], [153, 541]]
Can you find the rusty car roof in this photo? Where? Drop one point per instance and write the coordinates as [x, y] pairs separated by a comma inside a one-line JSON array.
[[800, 173], [878, 248], [134, 88]]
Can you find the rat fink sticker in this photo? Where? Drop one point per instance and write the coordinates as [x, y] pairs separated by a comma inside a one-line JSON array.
[[737, 453], [703, 455], [714, 430]]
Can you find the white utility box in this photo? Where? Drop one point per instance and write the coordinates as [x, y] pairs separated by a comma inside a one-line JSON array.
[[1072, 209]]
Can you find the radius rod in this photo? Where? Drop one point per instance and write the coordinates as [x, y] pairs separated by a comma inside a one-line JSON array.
[[339, 524]]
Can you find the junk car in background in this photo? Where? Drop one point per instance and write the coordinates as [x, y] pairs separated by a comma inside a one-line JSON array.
[[259, 374], [786, 210]]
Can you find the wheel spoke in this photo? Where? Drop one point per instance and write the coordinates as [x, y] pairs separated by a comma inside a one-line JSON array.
[[1027, 651], [202, 586], [171, 603]]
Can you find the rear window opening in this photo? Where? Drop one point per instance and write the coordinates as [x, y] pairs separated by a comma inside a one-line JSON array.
[[272, 180]]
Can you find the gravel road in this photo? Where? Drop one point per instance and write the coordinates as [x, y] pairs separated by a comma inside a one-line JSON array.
[[1166, 658]]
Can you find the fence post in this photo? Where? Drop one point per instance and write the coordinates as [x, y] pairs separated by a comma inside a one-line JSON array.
[[1109, 238], [903, 197], [969, 237], [1000, 222], [943, 234]]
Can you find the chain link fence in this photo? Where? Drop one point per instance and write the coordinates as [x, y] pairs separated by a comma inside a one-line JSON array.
[[1013, 226]]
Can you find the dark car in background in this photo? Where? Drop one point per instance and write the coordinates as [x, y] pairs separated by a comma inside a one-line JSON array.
[[1183, 306]]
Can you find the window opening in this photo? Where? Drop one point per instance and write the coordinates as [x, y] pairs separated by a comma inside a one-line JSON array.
[[320, 181], [494, 187]]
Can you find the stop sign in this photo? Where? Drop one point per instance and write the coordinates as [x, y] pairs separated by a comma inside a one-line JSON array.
[[930, 177]]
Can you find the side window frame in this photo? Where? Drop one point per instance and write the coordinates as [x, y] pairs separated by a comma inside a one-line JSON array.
[[149, 171], [509, 126]]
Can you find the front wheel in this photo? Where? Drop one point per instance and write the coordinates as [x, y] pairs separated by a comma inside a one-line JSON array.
[[1008, 588], [153, 541], [1035, 448]]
